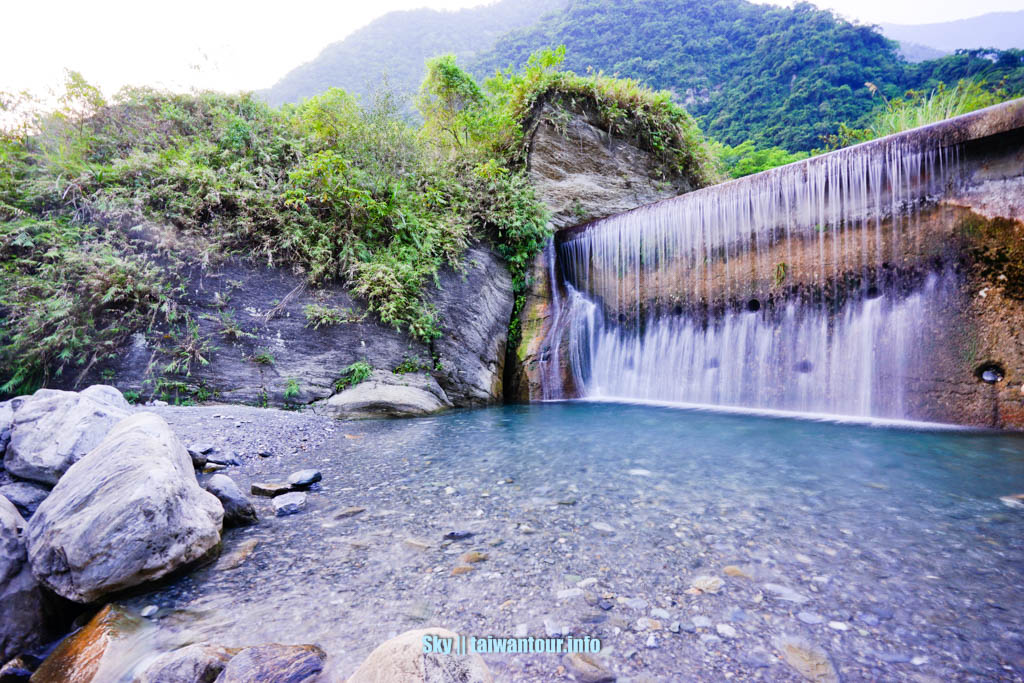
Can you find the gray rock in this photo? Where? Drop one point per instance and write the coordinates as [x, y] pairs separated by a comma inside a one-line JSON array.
[[726, 631], [701, 621], [289, 504], [238, 510], [304, 478], [199, 663], [149, 611], [387, 394], [21, 600], [278, 663], [54, 429], [198, 452], [129, 512], [25, 496], [226, 460], [402, 659]]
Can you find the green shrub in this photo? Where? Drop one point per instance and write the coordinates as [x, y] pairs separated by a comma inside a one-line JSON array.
[[318, 315], [358, 372]]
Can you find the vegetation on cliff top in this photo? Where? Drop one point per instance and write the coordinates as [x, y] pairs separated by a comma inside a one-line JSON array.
[[102, 203]]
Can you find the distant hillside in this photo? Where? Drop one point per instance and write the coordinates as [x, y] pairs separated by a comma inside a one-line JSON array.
[[999, 30], [398, 44], [776, 76]]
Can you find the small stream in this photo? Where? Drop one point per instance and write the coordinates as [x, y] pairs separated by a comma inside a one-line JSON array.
[[896, 539]]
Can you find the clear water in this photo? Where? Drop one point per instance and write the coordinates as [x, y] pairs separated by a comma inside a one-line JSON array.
[[861, 520]]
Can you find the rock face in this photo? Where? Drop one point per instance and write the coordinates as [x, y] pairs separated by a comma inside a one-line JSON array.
[[278, 345], [278, 663], [51, 430], [386, 393], [402, 659], [130, 511], [192, 664], [21, 601], [238, 510], [582, 172]]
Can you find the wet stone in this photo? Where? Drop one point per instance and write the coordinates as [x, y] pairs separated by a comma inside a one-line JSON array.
[[304, 478], [457, 535], [289, 504], [269, 490]]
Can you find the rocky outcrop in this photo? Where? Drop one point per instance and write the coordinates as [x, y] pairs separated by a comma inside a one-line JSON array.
[[582, 172], [279, 663], [22, 614], [129, 512], [262, 350], [238, 509], [388, 394], [200, 663], [402, 659], [51, 430]]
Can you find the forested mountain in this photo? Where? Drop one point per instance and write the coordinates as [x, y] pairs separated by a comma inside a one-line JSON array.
[[998, 30], [748, 72], [397, 45], [777, 76]]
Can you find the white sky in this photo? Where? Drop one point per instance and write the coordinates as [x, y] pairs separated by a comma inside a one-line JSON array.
[[249, 44]]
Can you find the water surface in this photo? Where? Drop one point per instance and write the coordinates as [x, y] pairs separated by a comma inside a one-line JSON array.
[[895, 536]]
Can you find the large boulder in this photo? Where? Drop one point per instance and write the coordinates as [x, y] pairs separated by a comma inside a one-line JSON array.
[[21, 600], [129, 512], [51, 430], [387, 394], [238, 509], [278, 663], [402, 659]]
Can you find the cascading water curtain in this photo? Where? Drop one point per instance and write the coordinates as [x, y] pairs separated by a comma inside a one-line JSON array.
[[804, 288]]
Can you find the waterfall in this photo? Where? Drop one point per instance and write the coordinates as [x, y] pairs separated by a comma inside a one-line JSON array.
[[812, 287]]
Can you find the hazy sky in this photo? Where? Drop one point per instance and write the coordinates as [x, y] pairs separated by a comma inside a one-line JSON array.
[[244, 45]]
